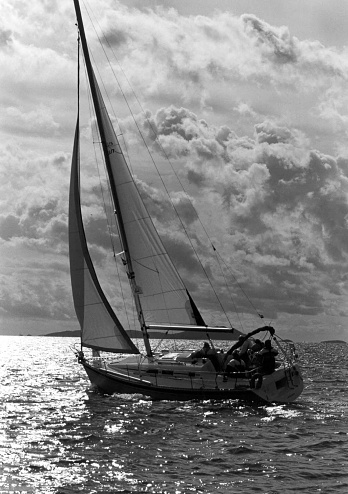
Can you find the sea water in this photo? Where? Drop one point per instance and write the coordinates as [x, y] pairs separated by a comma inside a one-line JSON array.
[[59, 436]]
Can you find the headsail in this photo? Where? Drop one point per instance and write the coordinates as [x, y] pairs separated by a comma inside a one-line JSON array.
[[100, 328]]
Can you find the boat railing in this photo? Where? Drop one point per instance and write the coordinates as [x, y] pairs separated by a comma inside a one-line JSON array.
[[287, 351], [199, 378]]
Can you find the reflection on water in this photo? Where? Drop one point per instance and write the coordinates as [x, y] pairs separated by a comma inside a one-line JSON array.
[[58, 436]]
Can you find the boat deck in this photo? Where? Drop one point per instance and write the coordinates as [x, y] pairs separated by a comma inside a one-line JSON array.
[[177, 369]]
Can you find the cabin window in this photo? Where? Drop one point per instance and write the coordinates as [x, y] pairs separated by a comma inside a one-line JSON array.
[[282, 382]]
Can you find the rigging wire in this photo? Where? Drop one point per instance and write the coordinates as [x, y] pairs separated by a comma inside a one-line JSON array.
[[217, 254], [237, 282], [78, 108]]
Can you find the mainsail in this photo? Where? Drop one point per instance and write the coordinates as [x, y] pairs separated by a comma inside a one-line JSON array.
[[100, 328], [162, 294], [159, 293]]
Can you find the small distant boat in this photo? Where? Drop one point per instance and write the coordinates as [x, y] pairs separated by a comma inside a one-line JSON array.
[[161, 298]]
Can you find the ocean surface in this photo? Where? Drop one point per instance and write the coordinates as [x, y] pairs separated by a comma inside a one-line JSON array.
[[58, 436]]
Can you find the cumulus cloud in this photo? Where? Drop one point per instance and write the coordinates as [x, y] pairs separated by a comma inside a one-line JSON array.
[[5, 37], [282, 46], [34, 231], [221, 46], [39, 121], [9, 226], [212, 64], [286, 206], [39, 297]]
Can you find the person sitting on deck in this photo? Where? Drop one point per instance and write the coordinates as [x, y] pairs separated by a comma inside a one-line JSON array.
[[268, 354], [209, 353], [202, 352], [267, 358], [236, 364], [257, 346], [254, 354], [244, 350], [244, 344], [267, 364]]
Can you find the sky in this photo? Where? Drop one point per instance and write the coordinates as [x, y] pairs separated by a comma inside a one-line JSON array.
[[249, 100]]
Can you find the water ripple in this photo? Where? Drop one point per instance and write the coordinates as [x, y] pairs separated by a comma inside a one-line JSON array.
[[60, 437]]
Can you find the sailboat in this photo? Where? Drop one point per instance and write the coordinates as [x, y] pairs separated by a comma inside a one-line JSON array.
[[112, 359]]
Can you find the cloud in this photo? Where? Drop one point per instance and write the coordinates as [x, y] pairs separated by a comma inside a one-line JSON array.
[[303, 57], [33, 294], [282, 45], [38, 122], [237, 70], [34, 237], [5, 37], [221, 46], [245, 110], [9, 227], [285, 204], [272, 134]]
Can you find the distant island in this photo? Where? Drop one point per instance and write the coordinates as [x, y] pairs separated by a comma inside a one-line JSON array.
[[336, 341], [72, 334]]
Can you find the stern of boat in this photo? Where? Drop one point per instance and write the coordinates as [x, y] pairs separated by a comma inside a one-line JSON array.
[[284, 385]]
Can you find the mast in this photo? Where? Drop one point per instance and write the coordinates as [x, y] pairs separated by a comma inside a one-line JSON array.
[[93, 87]]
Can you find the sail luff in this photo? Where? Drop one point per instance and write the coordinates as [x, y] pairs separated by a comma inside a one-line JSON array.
[[100, 328]]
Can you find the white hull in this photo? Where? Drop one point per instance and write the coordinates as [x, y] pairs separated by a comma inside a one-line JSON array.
[[170, 377]]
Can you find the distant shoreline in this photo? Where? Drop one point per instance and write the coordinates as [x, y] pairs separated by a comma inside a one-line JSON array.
[[72, 334], [137, 334]]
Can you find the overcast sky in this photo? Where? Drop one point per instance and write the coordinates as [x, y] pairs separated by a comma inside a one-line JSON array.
[[250, 102]]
